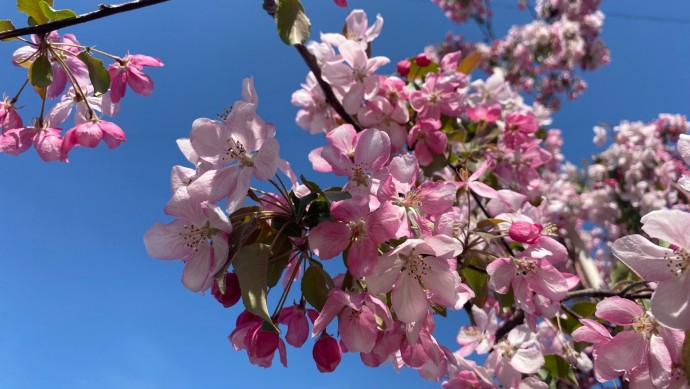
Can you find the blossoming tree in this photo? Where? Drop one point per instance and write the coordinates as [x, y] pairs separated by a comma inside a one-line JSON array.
[[455, 196]]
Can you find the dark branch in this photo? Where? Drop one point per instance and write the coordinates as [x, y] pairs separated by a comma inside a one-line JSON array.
[[312, 63], [606, 293], [331, 99], [102, 12], [512, 322]]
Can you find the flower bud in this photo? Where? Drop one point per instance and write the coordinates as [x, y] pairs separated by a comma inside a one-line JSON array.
[[232, 290], [327, 353], [525, 232]]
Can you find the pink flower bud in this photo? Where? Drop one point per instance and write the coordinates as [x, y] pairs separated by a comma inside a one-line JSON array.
[[260, 343], [232, 290], [403, 67], [327, 353], [422, 60], [525, 232]]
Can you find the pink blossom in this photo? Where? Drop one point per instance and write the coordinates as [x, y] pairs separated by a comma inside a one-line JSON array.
[[260, 345], [327, 353], [295, 318], [436, 97], [356, 228], [514, 356], [356, 29], [641, 351], [418, 278], [532, 277], [9, 118], [355, 72], [427, 140], [46, 141], [483, 113], [481, 336], [130, 71], [670, 267], [472, 182], [199, 236], [90, 133], [358, 314], [371, 153]]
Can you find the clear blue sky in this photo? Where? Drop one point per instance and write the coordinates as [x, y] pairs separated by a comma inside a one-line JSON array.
[[82, 305]]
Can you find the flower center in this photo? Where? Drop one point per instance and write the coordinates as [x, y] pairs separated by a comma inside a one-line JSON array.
[[237, 152], [434, 97], [193, 235], [678, 262], [525, 267], [505, 349], [360, 177], [645, 325], [357, 229], [414, 265]]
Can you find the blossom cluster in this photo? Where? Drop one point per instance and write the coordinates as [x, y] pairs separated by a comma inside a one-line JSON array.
[[60, 68], [541, 57], [455, 196]]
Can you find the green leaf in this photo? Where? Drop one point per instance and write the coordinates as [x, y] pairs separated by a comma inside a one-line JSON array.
[[312, 186], [584, 308], [280, 257], [315, 285], [559, 368], [482, 224], [479, 283], [55, 15], [97, 73], [337, 195], [33, 9], [419, 72], [7, 25], [319, 211], [40, 72], [293, 24], [251, 266]]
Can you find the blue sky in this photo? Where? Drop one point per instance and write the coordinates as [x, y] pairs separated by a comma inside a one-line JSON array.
[[82, 304]]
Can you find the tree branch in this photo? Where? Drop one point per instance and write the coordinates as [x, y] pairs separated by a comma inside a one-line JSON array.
[[606, 293], [512, 322], [103, 11], [312, 63]]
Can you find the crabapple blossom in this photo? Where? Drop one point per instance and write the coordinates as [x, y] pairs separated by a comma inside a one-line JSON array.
[[516, 355], [129, 71], [669, 266], [359, 315], [46, 141], [357, 228], [90, 133], [417, 278], [260, 345], [199, 237]]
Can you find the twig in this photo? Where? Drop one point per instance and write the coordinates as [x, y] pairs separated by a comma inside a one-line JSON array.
[[103, 11], [512, 322], [606, 293], [312, 63]]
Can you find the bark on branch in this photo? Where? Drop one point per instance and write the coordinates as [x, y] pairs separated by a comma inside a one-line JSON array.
[[310, 60], [103, 11]]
